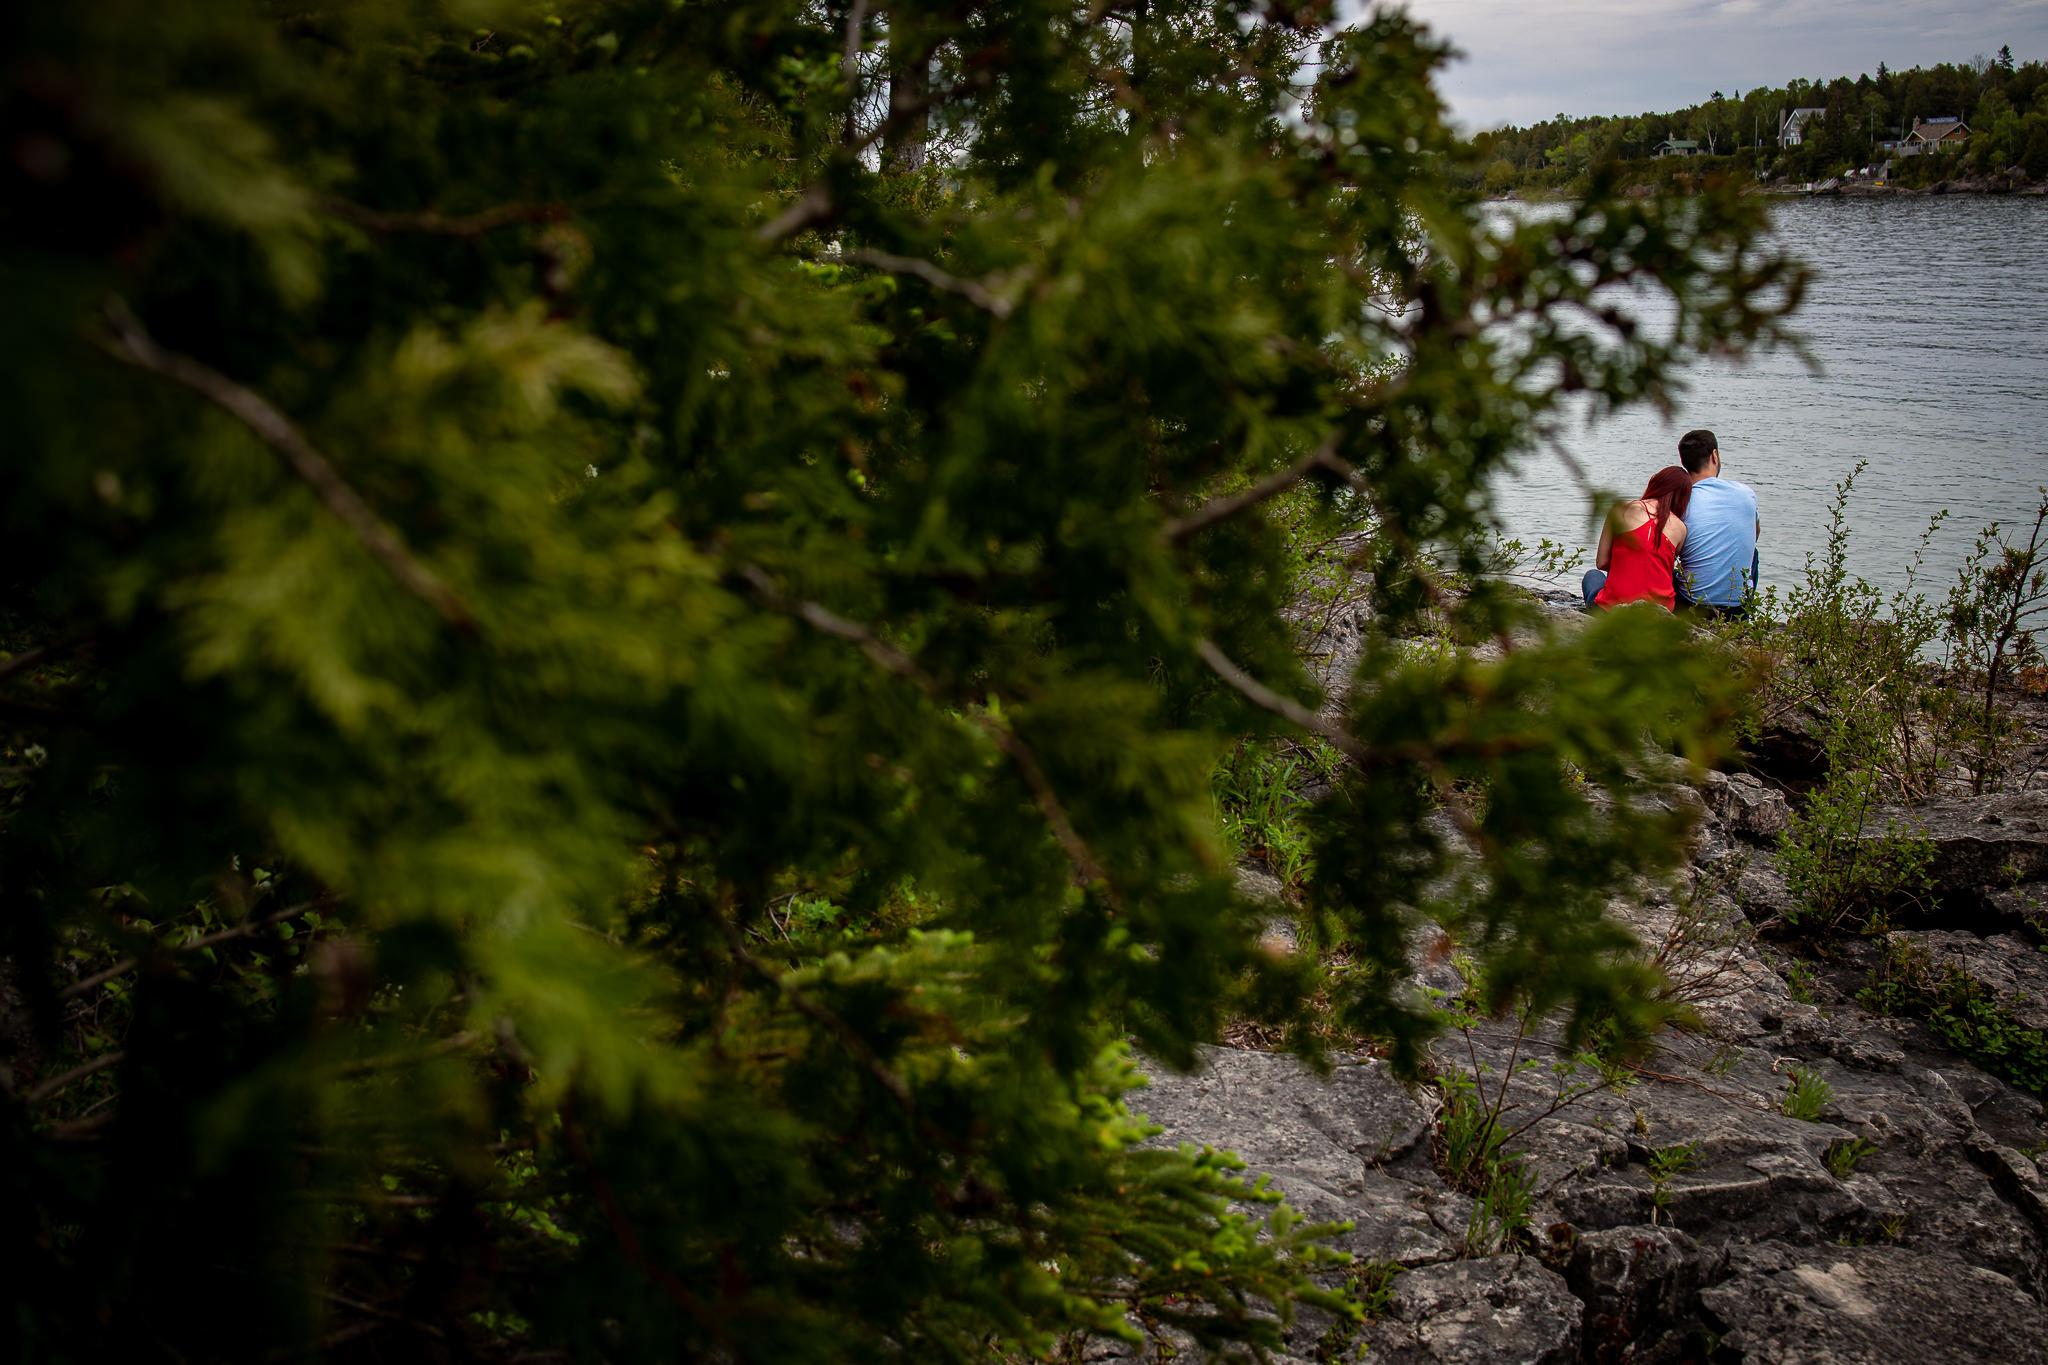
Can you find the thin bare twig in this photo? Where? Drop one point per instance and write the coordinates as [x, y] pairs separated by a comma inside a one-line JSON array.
[[1423, 752], [814, 205], [242, 930], [384, 1315], [1218, 509], [132, 345], [14, 663], [56, 1083], [974, 291], [893, 660], [460, 225], [45, 652], [1266, 699], [453, 1043]]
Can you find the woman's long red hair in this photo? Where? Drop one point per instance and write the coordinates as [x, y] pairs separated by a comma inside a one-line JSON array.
[[1669, 493]]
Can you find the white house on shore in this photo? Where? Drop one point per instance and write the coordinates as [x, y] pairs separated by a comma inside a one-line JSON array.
[[1792, 131]]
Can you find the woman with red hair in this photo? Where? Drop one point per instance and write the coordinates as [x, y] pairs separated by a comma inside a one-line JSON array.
[[1639, 545]]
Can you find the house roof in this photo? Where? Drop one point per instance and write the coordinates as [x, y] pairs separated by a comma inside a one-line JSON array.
[[1674, 142], [1935, 129]]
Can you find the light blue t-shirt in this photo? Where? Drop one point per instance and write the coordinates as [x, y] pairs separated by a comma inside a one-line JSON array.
[[1720, 542]]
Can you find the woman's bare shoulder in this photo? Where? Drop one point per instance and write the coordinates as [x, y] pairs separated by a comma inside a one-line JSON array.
[[1674, 529], [1629, 515]]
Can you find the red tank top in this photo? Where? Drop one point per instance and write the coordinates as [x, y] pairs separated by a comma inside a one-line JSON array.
[[1640, 568]]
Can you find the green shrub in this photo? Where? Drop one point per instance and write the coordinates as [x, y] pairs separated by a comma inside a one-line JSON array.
[[1263, 809], [1843, 855], [2000, 596], [1806, 1095], [1841, 1157], [1960, 1011]]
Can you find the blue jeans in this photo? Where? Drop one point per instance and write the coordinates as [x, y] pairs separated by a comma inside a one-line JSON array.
[[1590, 586]]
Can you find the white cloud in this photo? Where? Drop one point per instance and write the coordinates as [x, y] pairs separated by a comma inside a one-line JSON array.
[[1527, 61]]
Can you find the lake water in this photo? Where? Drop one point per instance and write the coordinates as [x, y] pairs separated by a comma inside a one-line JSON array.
[[1929, 318]]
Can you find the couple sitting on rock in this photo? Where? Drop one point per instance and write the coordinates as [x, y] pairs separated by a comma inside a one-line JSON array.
[[1688, 541]]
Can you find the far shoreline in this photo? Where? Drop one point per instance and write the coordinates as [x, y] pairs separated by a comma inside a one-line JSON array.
[[1991, 187]]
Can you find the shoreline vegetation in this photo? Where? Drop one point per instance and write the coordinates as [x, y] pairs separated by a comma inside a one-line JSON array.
[[1845, 126]]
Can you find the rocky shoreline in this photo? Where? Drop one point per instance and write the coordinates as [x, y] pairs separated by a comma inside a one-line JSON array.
[[1983, 184], [1692, 1211]]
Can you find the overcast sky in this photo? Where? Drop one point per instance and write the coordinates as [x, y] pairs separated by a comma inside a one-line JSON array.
[[1526, 60]]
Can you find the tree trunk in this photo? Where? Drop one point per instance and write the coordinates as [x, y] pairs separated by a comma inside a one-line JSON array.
[[909, 83]]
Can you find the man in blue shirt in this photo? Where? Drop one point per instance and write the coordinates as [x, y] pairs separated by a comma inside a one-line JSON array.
[[1717, 565]]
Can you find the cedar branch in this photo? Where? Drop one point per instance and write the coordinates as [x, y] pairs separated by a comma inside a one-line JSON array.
[[132, 345], [816, 204], [848, 1036], [893, 660]]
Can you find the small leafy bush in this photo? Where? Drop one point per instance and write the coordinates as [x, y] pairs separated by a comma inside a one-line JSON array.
[[1843, 860], [1501, 1211], [1666, 1162], [1841, 1157], [1992, 618], [1807, 1096], [1472, 1139], [1961, 1011], [1262, 809]]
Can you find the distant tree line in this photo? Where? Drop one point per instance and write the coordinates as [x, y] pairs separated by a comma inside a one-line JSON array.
[[2004, 102]]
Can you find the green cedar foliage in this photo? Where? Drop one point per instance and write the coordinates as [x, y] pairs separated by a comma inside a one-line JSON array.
[[607, 710]]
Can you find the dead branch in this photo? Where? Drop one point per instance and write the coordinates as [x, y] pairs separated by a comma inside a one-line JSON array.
[[428, 221], [1218, 509], [14, 663], [1266, 699], [849, 62], [974, 291], [383, 1315], [628, 1236], [242, 930], [814, 205], [56, 1083], [452, 1044], [132, 345]]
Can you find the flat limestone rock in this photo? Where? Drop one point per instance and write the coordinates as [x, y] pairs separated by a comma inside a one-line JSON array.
[[1322, 1141], [1982, 843], [1872, 1305], [1501, 1310]]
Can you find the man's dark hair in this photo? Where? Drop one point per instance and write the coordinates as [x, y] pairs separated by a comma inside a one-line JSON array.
[[1694, 447]]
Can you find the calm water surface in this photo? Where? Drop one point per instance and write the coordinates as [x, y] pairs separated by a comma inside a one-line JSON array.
[[1929, 318]]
